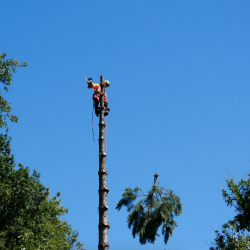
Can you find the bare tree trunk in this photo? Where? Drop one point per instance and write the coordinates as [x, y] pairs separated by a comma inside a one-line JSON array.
[[155, 179], [103, 190]]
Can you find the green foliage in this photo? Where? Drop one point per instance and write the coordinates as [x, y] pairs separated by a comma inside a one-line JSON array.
[[7, 68], [156, 208], [235, 233], [29, 218]]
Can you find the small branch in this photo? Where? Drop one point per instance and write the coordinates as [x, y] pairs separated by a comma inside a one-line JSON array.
[[141, 192], [141, 195], [167, 190]]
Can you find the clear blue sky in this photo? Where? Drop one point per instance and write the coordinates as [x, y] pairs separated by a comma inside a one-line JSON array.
[[179, 100]]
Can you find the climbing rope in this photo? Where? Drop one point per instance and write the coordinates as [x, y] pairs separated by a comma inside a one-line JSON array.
[[106, 134], [93, 122]]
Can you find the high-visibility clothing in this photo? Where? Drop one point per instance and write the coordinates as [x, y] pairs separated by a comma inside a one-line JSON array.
[[97, 90]]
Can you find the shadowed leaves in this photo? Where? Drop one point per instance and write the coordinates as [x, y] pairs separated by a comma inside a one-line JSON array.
[[7, 68], [234, 234]]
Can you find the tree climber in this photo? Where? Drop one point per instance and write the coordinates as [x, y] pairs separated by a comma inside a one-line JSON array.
[[96, 95]]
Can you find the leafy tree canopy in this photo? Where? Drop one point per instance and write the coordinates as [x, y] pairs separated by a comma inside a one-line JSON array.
[[29, 218], [7, 68], [235, 233], [158, 207]]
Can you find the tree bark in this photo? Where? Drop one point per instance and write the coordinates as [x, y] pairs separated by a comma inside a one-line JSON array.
[[155, 179], [103, 190]]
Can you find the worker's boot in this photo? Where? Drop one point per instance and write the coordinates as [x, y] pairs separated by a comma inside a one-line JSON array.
[[106, 111], [97, 112], [106, 108]]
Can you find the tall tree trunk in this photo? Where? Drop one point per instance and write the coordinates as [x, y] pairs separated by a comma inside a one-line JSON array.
[[103, 190]]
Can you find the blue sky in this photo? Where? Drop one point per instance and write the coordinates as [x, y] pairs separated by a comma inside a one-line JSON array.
[[179, 100]]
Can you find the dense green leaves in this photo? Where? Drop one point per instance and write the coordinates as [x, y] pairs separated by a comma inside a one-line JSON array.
[[235, 233], [29, 218], [7, 68], [158, 207]]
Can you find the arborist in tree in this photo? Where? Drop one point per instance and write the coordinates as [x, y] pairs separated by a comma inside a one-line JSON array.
[[96, 95]]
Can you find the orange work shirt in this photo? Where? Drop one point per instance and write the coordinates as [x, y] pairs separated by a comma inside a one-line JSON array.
[[97, 87]]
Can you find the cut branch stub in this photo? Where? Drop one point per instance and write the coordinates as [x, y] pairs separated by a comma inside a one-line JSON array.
[[103, 207], [155, 179], [104, 189], [103, 245], [104, 224], [102, 124], [102, 172], [102, 154]]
